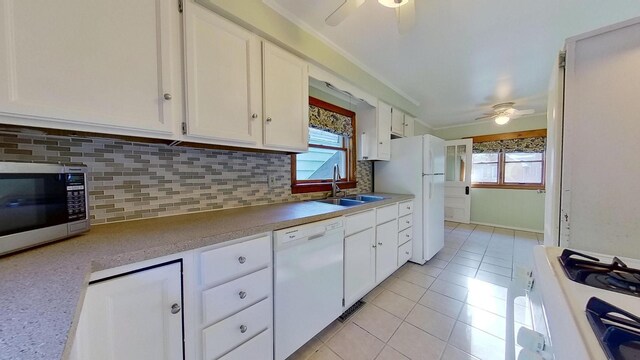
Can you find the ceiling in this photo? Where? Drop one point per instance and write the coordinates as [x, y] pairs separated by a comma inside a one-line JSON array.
[[462, 56]]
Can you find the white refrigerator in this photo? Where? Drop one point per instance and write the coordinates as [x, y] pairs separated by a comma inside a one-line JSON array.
[[417, 167]]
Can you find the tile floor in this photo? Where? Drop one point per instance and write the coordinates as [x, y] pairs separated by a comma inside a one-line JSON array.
[[451, 308]]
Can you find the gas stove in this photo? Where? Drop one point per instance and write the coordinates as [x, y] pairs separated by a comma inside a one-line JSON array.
[[585, 305]]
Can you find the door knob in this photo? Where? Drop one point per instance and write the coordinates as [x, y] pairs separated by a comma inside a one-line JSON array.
[[466, 190], [242, 294], [167, 96], [242, 259], [175, 308], [243, 328]]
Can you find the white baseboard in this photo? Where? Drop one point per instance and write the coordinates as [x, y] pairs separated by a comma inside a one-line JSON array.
[[508, 227]]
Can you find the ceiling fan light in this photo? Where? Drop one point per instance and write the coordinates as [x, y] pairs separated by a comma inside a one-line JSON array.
[[502, 119], [393, 3]]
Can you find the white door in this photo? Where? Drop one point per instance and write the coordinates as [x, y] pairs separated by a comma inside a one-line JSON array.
[[409, 125], [222, 79], [457, 190], [285, 99], [135, 316], [359, 265], [386, 249], [104, 65], [397, 122], [384, 131]]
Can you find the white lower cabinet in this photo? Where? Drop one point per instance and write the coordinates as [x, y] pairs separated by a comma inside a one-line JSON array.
[[386, 250], [359, 265], [137, 315]]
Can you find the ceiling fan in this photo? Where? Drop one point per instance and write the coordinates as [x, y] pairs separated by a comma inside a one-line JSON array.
[[405, 12], [504, 112]]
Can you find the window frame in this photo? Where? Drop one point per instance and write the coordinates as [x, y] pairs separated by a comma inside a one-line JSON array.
[[349, 147], [501, 184]]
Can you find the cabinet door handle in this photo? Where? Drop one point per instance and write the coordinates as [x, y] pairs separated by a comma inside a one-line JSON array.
[[380, 142], [406, 252], [373, 246], [242, 294], [254, 116], [167, 96], [406, 235], [242, 259], [407, 221], [269, 119], [380, 243], [243, 328], [175, 308]]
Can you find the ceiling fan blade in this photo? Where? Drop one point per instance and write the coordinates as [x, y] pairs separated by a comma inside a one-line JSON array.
[[406, 15], [487, 117], [525, 112], [343, 12]]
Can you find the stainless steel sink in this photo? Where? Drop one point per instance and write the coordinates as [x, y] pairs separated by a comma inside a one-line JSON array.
[[365, 198], [342, 202]]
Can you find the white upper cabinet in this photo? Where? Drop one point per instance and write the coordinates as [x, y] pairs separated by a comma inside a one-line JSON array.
[[222, 79], [397, 122], [384, 131], [285, 100], [409, 125], [103, 66]]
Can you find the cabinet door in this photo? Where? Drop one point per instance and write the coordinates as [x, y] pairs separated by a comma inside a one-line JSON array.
[[132, 317], [386, 249], [285, 99], [384, 131], [409, 125], [222, 79], [89, 65], [397, 122], [359, 265]]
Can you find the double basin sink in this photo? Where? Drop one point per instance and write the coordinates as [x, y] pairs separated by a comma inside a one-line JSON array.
[[353, 200]]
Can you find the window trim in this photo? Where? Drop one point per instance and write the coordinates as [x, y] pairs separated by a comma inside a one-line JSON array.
[[501, 161], [350, 182]]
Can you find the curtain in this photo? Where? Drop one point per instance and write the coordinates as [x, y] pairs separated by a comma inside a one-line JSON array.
[[330, 121], [526, 145]]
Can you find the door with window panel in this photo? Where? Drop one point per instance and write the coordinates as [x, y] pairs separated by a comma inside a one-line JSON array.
[[457, 194]]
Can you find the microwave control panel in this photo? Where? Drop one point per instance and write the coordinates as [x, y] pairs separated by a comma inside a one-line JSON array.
[[76, 197]]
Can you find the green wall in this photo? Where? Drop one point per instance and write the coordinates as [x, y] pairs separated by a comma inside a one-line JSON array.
[[267, 23], [519, 209]]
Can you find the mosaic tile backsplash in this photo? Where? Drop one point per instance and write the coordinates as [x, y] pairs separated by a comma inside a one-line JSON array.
[[130, 180]]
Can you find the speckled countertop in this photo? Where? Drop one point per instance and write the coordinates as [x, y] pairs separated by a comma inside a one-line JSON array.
[[41, 290]]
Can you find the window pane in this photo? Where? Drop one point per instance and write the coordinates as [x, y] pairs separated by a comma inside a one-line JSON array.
[[451, 163], [523, 157], [484, 173], [321, 137], [317, 164], [524, 172], [485, 157]]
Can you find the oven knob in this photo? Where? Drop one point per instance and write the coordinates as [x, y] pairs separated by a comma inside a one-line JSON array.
[[526, 354], [530, 340]]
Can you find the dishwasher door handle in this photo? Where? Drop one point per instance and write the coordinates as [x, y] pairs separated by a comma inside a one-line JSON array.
[[313, 237]]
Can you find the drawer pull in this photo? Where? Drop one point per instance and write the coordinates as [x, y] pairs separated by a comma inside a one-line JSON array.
[[242, 294], [175, 308], [406, 235], [243, 328], [406, 222], [406, 252], [380, 243], [242, 259], [408, 207]]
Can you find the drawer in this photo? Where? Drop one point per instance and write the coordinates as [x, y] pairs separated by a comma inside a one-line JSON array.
[[405, 222], [405, 235], [386, 213], [405, 208], [219, 338], [404, 253], [230, 262], [258, 348], [227, 299], [360, 221]]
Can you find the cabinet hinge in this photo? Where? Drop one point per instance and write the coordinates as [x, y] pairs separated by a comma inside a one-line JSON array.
[[180, 6], [562, 59], [184, 128], [342, 302]]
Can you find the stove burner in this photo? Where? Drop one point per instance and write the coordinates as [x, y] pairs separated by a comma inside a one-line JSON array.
[[617, 330], [616, 276]]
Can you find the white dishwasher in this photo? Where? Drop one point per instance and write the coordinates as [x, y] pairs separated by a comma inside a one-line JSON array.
[[308, 267]]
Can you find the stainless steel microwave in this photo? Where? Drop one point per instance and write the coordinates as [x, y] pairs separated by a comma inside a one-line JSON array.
[[40, 203]]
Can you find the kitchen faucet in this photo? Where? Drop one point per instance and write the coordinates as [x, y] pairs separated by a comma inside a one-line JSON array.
[[335, 189]]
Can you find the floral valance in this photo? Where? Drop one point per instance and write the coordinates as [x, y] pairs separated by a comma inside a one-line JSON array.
[[330, 121], [526, 145]]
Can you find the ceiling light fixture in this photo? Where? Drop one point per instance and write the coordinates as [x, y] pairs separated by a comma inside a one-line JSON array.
[[393, 3], [502, 119]]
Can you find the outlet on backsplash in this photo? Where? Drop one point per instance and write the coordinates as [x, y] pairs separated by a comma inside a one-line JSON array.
[[271, 181]]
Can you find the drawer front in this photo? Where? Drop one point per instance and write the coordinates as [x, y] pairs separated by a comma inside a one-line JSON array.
[[405, 208], [404, 253], [227, 334], [258, 348], [386, 213], [360, 221], [405, 235], [227, 299], [405, 222], [230, 262]]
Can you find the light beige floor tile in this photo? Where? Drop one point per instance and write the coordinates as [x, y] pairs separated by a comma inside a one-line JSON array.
[[324, 353], [496, 279], [418, 278], [482, 288], [373, 293], [306, 350], [377, 322], [416, 344], [431, 321], [497, 261], [395, 304], [430, 270], [496, 269], [444, 256], [442, 304], [452, 353], [488, 303], [500, 255], [455, 278], [469, 255], [329, 331], [461, 269], [466, 262], [409, 290], [437, 263], [449, 289], [474, 248], [389, 353], [484, 320], [352, 342], [477, 342], [386, 282]]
